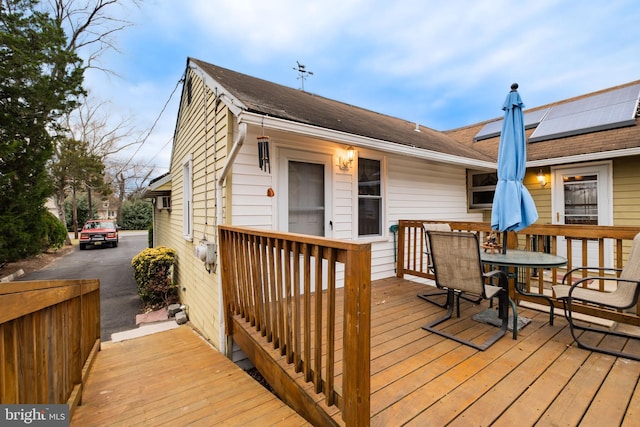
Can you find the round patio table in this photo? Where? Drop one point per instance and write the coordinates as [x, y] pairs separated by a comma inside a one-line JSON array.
[[516, 259]]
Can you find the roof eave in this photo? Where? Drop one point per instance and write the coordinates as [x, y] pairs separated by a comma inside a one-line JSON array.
[[153, 189], [360, 141], [583, 158]]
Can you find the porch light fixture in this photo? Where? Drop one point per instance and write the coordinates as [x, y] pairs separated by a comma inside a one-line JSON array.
[[542, 180], [346, 162]]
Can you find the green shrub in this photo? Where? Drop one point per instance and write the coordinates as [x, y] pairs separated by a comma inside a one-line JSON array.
[[135, 214], [152, 270], [55, 233]]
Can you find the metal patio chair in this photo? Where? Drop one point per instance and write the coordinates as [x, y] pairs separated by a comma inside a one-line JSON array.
[[624, 297], [433, 226], [438, 226], [457, 267]]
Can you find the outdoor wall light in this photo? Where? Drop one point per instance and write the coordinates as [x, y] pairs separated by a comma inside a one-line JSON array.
[[346, 162], [542, 180]]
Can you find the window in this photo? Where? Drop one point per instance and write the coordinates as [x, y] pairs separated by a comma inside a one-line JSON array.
[[187, 196], [164, 202], [369, 197], [581, 199], [482, 186]]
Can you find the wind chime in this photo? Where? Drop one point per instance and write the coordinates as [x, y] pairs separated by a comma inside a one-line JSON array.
[[263, 153]]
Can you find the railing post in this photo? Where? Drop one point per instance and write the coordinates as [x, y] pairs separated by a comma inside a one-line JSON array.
[[400, 250], [357, 337]]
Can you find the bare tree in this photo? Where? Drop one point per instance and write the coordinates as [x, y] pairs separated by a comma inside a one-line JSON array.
[[91, 25], [104, 136], [127, 179]]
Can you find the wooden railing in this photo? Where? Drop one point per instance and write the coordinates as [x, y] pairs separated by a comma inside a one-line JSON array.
[[49, 335], [284, 286], [411, 259]]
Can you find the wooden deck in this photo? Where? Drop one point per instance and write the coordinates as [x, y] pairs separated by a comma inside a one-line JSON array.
[[421, 379], [417, 378], [542, 378], [175, 378]]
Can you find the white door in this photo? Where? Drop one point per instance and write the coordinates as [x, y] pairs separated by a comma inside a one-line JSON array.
[[305, 183], [583, 195]]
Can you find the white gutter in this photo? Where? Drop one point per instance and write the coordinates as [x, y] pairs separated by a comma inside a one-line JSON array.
[[583, 158], [360, 141], [237, 144]]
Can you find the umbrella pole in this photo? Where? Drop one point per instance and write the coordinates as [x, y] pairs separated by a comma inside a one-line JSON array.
[[505, 235]]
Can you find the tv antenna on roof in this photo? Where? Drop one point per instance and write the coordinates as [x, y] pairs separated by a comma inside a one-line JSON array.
[[302, 70]]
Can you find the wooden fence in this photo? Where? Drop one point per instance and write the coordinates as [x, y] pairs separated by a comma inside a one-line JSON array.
[[49, 335], [283, 285], [584, 243]]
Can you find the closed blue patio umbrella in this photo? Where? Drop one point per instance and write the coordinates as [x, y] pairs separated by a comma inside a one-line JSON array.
[[513, 207]]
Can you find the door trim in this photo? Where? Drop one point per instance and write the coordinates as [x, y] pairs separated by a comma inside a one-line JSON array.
[[604, 172], [284, 156]]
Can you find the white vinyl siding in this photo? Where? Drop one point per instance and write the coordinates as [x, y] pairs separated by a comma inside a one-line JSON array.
[[419, 190]]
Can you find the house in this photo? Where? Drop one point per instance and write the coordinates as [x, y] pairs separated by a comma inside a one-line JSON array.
[[583, 155], [253, 153], [107, 208]]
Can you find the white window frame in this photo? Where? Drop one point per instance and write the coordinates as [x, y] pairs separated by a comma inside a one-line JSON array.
[[363, 154], [187, 198], [484, 188]]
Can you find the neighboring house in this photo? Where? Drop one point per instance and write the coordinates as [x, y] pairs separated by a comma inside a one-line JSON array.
[[249, 152], [51, 206], [107, 209]]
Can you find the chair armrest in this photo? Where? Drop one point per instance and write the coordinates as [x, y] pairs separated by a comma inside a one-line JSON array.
[[502, 277], [588, 268], [591, 295]]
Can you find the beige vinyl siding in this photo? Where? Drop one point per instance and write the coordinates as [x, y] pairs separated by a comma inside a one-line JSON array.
[[626, 191], [198, 288], [161, 226], [541, 195]]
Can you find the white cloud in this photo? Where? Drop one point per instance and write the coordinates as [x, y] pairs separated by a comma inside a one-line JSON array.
[[444, 64]]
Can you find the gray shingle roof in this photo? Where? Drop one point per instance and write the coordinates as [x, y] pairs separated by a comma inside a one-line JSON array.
[[274, 100]]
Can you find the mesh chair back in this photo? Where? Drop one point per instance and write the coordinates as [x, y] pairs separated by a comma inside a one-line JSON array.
[[436, 226], [432, 226], [456, 261], [631, 271]]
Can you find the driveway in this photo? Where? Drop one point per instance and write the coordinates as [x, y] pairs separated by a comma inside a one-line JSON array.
[[119, 300]]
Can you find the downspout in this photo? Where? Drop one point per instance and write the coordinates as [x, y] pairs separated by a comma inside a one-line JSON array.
[[226, 347]]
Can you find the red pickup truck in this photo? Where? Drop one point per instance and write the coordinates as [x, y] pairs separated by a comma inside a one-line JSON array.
[[99, 232]]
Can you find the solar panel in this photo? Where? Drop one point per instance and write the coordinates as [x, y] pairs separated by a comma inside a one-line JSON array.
[[608, 110], [491, 129]]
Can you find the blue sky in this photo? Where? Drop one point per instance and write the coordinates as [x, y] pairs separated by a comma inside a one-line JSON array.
[[444, 64]]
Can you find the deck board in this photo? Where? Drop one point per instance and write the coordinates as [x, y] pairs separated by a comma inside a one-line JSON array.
[[417, 378], [174, 378], [534, 379]]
